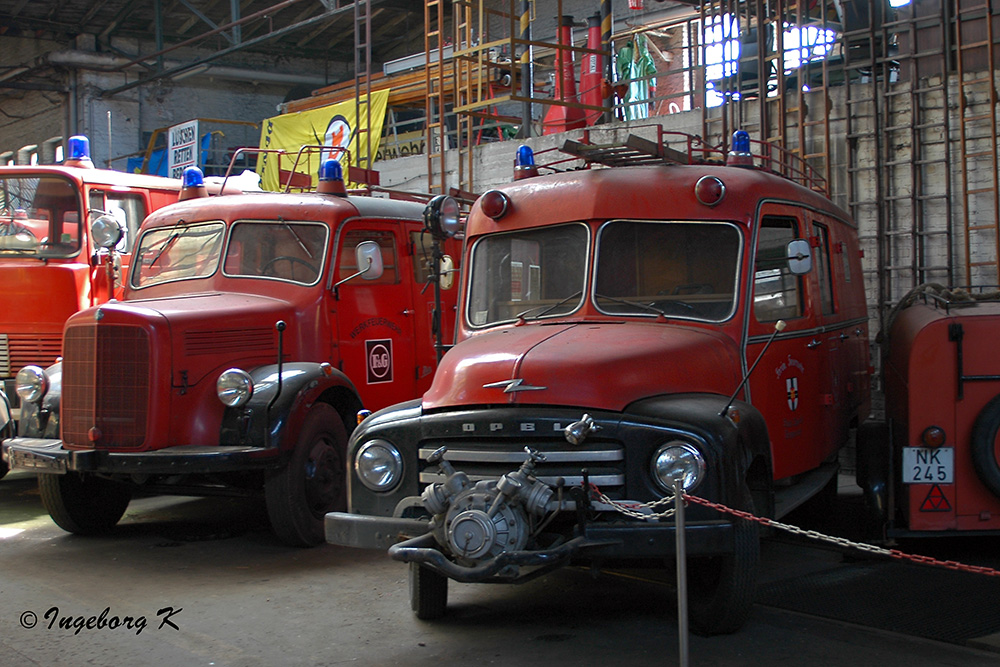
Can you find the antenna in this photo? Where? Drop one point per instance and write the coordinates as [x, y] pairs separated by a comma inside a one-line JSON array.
[[779, 326]]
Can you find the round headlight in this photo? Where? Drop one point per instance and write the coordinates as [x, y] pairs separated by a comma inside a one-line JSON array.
[[106, 231], [234, 387], [677, 459], [378, 465], [31, 384]]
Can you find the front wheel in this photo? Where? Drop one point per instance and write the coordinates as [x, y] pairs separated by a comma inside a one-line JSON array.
[[313, 483], [83, 504], [721, 588], [428, 592]]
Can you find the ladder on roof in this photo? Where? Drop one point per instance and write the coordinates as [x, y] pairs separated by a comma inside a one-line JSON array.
[[634, 151], [975, 58]]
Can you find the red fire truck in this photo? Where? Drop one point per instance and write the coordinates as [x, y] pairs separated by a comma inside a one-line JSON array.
[[609, 321], [252, 330], [933, 466], [49, 265]]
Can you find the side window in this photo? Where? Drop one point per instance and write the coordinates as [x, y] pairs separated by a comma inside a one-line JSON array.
[[777, 292], [823, 269], [423, 256], [127, 208], [386, 242]]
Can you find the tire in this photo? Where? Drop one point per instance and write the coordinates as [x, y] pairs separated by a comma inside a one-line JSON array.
[[986, 448], [3, 469], [872, 448], [313, 483], [721, 588], [428, 592], [83, 504]]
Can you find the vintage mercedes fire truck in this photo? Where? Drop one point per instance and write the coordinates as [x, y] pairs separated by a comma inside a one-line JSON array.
[[252, 330], [673, 316], [50, 266]]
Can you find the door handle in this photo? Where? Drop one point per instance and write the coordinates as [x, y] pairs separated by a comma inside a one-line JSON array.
[[814, 343], [408, 312], [844, 336]]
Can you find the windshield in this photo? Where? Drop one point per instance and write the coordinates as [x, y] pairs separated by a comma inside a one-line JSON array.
[[677, 269], [535, 273], [39, 216], [181, 252]]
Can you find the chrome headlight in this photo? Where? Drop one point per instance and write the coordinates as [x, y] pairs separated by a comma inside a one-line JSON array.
[[106, 232], [677, 459], [234, 387], [31, 384], [378, 465]]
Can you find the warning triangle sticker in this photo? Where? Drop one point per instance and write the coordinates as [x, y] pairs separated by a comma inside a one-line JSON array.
[[935, 501]]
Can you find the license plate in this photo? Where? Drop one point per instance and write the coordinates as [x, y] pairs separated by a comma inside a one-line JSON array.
[[21, 460], [924, 465]]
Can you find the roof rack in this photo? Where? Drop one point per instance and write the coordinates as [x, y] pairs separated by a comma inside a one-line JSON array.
[[688, 149]]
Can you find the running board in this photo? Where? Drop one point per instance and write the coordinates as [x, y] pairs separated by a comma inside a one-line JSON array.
[[805, 487]]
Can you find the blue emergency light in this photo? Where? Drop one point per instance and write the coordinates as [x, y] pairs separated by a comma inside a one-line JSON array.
[[524, 163], [192, 177], [79, 147], [331, 178]]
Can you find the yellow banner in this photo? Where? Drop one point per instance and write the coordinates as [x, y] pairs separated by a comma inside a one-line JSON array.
[[334, 126]]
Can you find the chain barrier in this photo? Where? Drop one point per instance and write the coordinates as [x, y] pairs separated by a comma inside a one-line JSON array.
[[631, 510]]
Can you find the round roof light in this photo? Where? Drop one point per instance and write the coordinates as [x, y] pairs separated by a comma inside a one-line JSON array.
[[495, 204], [709, 190]]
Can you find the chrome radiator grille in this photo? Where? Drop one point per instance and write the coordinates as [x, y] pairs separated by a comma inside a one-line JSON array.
[[105, 396], [603, 461]]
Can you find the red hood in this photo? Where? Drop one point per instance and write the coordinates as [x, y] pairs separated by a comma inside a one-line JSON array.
[[591, 365]]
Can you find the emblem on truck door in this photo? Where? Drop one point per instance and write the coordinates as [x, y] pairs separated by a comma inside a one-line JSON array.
[[512, 385]]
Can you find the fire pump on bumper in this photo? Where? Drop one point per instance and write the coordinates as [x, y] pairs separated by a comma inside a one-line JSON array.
[[252, 330], [609, 323]]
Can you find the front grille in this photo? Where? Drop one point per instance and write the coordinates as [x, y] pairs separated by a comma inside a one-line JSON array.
[[105, 385], [603, 461], [20, 350]]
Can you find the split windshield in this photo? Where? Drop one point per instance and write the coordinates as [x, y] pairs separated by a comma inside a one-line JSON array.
[[681, 270], [39, 216], [287, 251]]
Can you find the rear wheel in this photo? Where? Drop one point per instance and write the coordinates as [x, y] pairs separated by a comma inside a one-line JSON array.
[[428, 592], [721, 588], [83, 504], [314, 481], [986, 446]]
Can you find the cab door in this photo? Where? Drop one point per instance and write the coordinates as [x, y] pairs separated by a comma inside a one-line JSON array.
[[375, 317], [129, 209], [788, 385]]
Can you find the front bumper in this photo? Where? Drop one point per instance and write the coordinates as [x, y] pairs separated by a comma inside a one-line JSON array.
[[49, 456], [409, 540]]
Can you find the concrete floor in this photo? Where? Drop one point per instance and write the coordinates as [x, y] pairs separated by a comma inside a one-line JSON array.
[[237, 597]]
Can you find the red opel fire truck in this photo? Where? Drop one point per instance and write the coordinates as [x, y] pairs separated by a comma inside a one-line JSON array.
[[49, 265], [609, 321], [253, 328], [932, 467]]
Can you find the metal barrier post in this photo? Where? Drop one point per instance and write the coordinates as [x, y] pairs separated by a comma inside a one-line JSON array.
[[681, 550]]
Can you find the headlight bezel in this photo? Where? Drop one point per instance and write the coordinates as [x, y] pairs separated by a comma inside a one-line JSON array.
[[234, 387], [378, 459], [32, 384], [685, 455]]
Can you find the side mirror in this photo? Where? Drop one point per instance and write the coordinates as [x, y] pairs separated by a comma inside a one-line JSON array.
[[799, 257], [369, 259], [441, 217], [106, 231], [446, 271]]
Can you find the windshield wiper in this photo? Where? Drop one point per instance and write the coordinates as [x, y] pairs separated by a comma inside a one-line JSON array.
[[647, 306], [296, 237], [549, 309], [166, 246]]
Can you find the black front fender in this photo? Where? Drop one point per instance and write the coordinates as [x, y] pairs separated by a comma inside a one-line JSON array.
[[273, 414]]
